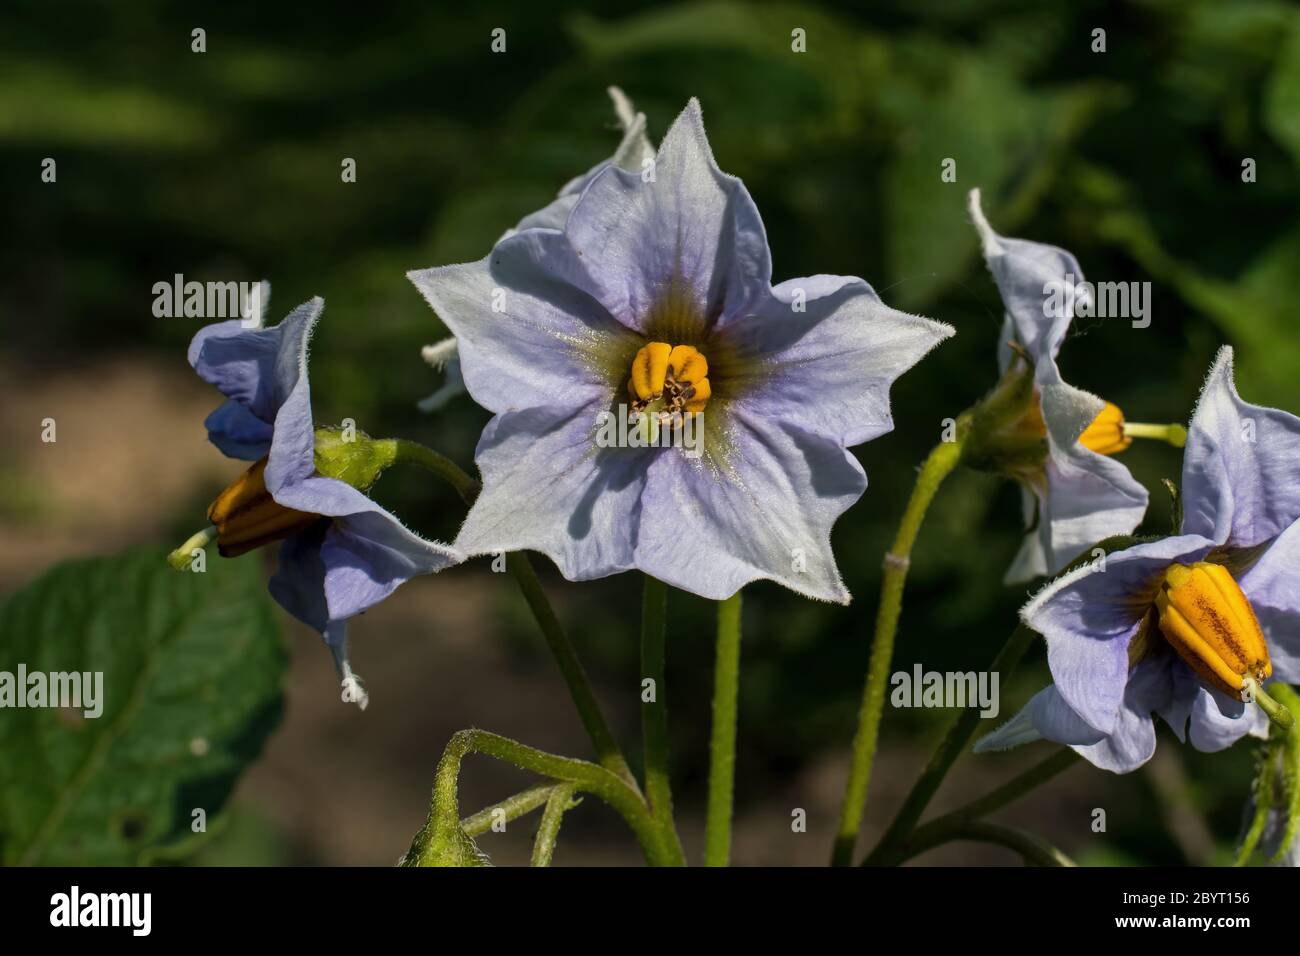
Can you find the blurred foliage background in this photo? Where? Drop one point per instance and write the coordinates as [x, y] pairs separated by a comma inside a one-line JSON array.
[[225, 165]]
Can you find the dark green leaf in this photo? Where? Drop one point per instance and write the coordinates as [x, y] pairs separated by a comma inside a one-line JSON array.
[[192, 667]]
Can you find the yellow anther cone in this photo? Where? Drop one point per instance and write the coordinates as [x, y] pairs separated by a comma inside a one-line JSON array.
[[1209, 622], [1106, 434]]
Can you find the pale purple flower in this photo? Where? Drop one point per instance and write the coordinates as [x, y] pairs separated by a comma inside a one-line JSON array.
[[1241, 502], [548, 326], [633, 152], [1080, 497], [357, 553]]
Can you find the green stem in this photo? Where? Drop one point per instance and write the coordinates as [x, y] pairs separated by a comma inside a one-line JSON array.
[[1290, 770], [1278, 714], [608, 753], [944, 828], [410, 452], [1263, 796], [654, 713], [954, 741], [443, 828], [548, 831], [1033, 849], [511, 808], [937, 466], [722, 745]]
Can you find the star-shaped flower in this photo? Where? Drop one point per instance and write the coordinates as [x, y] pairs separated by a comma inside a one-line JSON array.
[[1075, 494], [1189, 626], [633, 153], [341, 552], [656, 295]]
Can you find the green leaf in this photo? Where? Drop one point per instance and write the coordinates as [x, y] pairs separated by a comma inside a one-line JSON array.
[[1282, 100], [1001, 136], [192, 670], [1254, 310]]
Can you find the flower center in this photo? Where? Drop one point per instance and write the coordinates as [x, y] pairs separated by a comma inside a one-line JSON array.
[[1209, 621], [1106, 434], [247, 517], [669, 381]]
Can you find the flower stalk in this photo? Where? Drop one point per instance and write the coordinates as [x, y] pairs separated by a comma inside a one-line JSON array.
[[722, 745], [654, 715], [937, 466]]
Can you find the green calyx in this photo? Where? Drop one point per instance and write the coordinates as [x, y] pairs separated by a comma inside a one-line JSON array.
[[1007, 435], [352, 456]]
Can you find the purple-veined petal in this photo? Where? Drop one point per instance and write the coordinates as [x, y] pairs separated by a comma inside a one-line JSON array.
[[256, 367], [1088, 497], [1241, 467], [1271, 586], [298, 584], [368, 554], [1089, 615], [237, 432], [830, 350], [1129, 744], [1025, 273], [681, 225], [1132, 740], [549, 487], [633, 150], [528, 333], [765, 512], [1219, 721], [1046, 717]]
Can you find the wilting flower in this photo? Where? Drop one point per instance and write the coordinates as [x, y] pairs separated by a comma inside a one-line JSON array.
[[1053, 438], [340, 553], [633, 152], [656, 296], [1189, 626]]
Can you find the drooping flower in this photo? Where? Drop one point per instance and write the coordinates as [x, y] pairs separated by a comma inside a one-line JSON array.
[[656, 296], [1191, 626], [340, 552], [633, 152], [1055, 439]]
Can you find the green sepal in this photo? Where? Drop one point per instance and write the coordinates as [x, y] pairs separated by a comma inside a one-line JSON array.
[[1005, 433], [352, 456]]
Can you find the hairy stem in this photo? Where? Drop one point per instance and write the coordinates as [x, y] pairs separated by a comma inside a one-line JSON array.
[[654, 713], [954, 741], [607, 750], [947, 827], [937, 466], [722, 744], [608, 753], [1035, 850], [511, 808], [443, 829], [549, 829]]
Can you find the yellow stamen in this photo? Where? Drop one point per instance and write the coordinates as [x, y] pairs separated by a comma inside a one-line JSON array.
[[247, 517], [1106, 435], [649, 369], [1208, 620], [676, 377]]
